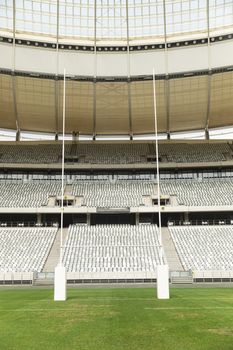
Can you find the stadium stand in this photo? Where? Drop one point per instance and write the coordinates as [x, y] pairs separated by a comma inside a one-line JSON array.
[[107, 194], [111, 248], [204, 247], [35, 192], [211, 192], [41, 153], [25, 249], [25, 195], [115, 153], [111, 153], [190, 153]]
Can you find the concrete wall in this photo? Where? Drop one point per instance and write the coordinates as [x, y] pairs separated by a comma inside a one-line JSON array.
[[180, 59]]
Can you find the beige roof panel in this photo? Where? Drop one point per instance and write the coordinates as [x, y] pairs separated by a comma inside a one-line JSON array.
[[188, 102], [221, 102], [143, 120], [7, 111], [112, 108], [35, 100], [79, 107], [185, 108]]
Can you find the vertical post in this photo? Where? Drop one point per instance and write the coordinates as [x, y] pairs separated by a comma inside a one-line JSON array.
[[209, 83], [95, 71], [63, 164], [128, 73], [157, 170], [60, 270], [56, 86], [166, 82], [162, 268], [13, 76]]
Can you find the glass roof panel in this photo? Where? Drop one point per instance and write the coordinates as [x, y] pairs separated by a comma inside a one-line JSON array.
[[36, 16], [6, 15], [76, 18], [185, 16]]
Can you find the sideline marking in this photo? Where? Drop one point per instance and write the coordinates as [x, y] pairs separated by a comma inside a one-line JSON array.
[[190, 308]]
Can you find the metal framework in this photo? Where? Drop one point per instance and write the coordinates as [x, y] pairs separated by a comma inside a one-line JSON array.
[[130, 22]]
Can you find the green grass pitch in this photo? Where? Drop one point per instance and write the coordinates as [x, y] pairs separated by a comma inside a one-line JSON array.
[[116, 319]]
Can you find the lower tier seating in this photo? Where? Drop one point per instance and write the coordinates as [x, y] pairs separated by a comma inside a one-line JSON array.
[[111, 248], [204, 247], [25, 249]]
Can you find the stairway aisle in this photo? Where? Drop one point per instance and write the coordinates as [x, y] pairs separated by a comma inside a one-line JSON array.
[[173, 259], [53, 257]]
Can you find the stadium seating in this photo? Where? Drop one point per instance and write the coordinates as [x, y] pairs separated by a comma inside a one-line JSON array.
[[31, 194], [41, 153], [204, 247], [211, 192], [115, 195], [112, 153], [98, 153], [25, 249], [111, 248], [190, 153], [119, 194]]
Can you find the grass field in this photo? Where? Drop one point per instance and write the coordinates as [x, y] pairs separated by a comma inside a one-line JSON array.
[[107, 319]]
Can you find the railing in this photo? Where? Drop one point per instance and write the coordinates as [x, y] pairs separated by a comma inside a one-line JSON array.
[[16, 278], [209, 276], [43, 275], [200, 222], [181, 273], [28, 224]]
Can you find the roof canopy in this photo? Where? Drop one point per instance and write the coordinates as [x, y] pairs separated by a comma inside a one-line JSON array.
[[117, 107]]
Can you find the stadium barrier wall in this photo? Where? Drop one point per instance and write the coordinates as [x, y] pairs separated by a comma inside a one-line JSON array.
[[213, 276], [110, 275], [16, 277]]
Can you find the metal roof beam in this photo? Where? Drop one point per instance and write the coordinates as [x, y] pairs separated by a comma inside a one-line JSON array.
[[56, 88], [209, 83], [17, 124], [128, 74], [95, 74], [167, 82]]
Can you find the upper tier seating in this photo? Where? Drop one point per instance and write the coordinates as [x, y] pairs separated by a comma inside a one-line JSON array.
[[211, 192], [86, 153], [30, 153], [190, 153], [25, 249], [111, 248], [111, 153], [31, 194], [97, 153], [115, 195], [204, 247]]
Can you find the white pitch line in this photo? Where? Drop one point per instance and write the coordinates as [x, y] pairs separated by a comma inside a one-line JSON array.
[[126, 299], [190, 308], [104, 306], [50, 309]]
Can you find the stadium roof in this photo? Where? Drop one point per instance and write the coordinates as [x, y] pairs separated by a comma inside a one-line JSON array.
[[110, 93], [111, 108], [115, 20]]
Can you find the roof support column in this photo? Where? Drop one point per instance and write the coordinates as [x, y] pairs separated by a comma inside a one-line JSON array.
[[56, 83], [167, 82], [95, 73], [13, 77], [128, 73], [209, 83]]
